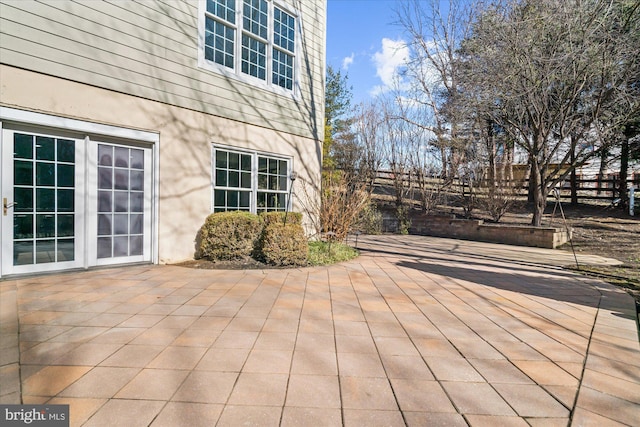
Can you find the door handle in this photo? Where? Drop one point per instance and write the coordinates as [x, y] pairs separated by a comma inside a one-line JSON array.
[[6, 206]]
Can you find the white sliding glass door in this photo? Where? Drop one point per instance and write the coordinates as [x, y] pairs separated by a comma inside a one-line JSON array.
[[73, 201]]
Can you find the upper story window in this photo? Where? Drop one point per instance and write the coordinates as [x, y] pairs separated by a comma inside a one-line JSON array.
[[254, 40]]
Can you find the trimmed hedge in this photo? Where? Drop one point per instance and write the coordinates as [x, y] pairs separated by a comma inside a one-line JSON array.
[[229, 235], [284, 245], [278, 217]]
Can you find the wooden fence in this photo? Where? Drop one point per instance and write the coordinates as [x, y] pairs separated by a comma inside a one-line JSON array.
[[589, 191]]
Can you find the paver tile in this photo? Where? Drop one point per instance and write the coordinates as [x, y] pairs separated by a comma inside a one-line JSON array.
[[157, 336], [435, 419], [87, 354], [496, 421], [387, 329], [406, 367], [80, 409], [10, 379], [608, 406], [586, 418], [45, 353], [51, 380], [517, 350], [188, 414], [100, 383], [210, 323], [234, 339], [612, 368], [627, 390], [264, 416], [153, 384], [372, 418], [195, 338], [453, 369], [314, 363], [367, 393], [246, 324], [310, 342], [175, 357], [223, 359], [275, 324], [477, 398], [295, 417], [316, 326], [355, 344], [275, 341], [396, 346], [118, 335], [351, 328], [531, 400], [259, 389], [133, 356], [436, 348], [268, 361], [206, 387], [141, 321], [546, 373], [360, 365], [313, 391], [477, 348], [121, 412], [549, 422], [41, 333], [421, 395], [500, 371], [79, 334]]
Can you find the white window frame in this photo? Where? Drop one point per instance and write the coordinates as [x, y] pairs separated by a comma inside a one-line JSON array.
[[236, 73], [253, 208]]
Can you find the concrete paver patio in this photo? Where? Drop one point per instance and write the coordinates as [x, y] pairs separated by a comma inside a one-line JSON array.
[[416, 331]]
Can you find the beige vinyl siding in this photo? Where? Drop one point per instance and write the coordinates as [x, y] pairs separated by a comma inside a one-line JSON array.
[[149, 49]]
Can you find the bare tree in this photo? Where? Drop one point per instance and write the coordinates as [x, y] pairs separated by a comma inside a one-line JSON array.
[[435, 30], [546, 70], [368, 126]]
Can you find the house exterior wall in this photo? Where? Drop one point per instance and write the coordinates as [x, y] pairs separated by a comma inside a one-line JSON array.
[[150, 49], [186, 139], [134, 65]]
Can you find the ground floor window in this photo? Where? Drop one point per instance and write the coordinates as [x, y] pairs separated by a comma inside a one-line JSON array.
[[249, 181]]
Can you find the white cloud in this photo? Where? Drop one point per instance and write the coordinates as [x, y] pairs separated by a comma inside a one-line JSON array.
[[389, 61], [346, 62]]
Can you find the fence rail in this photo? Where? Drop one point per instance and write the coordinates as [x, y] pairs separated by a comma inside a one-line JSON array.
[[591, 191]]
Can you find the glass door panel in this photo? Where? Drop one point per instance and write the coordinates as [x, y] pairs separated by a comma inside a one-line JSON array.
[[43, 175], [123, 204], [39, 184]]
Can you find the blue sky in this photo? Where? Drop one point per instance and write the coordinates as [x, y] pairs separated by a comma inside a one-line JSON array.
[[363, 41]]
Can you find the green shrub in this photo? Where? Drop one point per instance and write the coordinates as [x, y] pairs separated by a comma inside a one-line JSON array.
[[404, 221], [284, 245], [278, 217], [370, 220], [325, 253], [229, 236]]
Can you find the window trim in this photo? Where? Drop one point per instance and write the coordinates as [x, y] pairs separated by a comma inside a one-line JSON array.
[[236, 73], [255, 154]]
